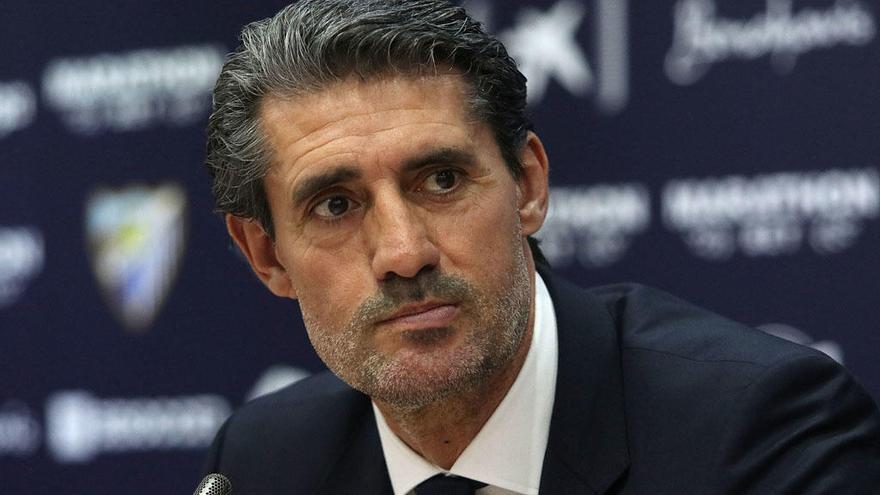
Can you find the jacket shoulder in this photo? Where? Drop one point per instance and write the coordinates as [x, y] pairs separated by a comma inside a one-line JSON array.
[[652, 321], [779, 414], [300, 430], [306, 399]]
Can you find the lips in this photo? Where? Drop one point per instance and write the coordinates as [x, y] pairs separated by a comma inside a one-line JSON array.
[[434, 315]]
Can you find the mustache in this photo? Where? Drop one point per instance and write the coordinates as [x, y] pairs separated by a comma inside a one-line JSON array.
[[397, 292]]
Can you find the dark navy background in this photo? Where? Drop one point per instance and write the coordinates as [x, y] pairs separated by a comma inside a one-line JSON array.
[[219, 331]]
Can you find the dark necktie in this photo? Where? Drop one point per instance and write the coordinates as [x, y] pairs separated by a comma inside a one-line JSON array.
[[448, 485]]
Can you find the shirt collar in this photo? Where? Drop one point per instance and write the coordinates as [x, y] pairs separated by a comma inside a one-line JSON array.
[[508, 452]]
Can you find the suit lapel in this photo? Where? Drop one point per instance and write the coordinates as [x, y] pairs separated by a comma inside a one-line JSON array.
[[587, 449]]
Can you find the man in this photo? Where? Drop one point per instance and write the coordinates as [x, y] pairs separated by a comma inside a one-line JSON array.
[[373, 162]]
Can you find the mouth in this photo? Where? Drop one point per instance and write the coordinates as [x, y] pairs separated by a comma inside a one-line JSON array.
[[423, 316]]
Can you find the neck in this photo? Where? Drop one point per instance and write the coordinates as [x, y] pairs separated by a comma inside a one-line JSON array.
[[440, 431]]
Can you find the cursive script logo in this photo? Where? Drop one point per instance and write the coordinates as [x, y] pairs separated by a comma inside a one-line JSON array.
[[702, 38]]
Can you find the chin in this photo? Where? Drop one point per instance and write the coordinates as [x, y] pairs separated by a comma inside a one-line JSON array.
[[415, 379]]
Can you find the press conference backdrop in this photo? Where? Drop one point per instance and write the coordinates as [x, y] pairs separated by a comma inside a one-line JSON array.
[[725, 150]]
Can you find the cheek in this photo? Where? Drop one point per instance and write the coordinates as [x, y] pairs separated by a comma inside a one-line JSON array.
[[329, 285], [483, 238], [324, 309]]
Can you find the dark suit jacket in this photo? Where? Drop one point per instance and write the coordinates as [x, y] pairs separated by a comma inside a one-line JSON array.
[[653, 396]]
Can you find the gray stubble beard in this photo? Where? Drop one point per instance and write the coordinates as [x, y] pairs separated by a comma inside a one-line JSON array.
[[351, 356]]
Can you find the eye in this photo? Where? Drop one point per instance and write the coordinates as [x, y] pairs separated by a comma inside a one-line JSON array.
[[441, 181], [332, 207]]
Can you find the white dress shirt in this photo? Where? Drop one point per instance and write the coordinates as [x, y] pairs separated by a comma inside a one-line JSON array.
[[508, 452]]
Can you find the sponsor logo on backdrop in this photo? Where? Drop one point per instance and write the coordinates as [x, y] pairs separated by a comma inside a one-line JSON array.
[[544, 43], [772, 214], [703, 38], [830, 348], [133, 90], [276, 378], [80, 426], [594, 225], [19, 430], [18, 105], [136, 237], [22, 255]]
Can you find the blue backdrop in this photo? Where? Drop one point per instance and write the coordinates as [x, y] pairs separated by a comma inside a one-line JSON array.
[[724, 150]]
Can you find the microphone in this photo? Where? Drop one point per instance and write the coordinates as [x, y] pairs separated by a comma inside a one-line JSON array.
[[214, 484]]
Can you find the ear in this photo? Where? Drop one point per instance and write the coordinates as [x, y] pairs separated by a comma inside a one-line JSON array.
[[533, 184], [259, 250]]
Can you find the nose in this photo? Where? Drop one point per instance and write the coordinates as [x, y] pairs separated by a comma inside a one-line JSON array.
[[399, 236]]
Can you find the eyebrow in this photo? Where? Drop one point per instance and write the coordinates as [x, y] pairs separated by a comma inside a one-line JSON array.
[[440, 156], [310, 186], [313, 185]]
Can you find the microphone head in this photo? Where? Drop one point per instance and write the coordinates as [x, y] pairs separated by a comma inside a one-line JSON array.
[[214, 484]]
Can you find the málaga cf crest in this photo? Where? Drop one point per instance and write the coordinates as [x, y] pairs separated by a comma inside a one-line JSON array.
[[136, 237]]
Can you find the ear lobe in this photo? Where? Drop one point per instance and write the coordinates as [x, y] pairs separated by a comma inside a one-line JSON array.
[[259, 250], [533, 184]]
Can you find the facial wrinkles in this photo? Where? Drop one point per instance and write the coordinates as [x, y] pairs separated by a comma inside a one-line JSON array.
[[354, 140], [500, 321], [306, 133], [494, 306], [353, 151], [345, 105]]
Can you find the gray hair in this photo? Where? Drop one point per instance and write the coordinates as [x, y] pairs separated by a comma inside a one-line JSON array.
[[313, 43]]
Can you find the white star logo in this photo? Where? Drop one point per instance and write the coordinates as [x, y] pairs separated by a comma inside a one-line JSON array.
[[544, 46]]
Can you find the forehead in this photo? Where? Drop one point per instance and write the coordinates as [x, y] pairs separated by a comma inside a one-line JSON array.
[[376, 93], [353, 116]]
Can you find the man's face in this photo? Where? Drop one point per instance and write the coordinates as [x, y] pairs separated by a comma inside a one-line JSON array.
[[400, 231]]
